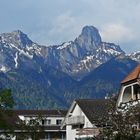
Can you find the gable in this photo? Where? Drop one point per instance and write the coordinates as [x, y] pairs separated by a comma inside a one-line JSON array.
[[94, 109]]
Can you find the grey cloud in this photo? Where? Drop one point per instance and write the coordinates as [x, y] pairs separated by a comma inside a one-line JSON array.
[[55, 21]]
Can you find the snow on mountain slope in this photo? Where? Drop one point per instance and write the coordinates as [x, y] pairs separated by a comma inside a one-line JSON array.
[[16, 47], [76, 58], [135, 56], [47, 72]]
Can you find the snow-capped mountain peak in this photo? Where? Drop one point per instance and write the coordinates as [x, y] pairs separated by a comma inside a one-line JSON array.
[[135, 56], [17, 38], [15, 48], [64, 45], [85, 53], [76, 58]]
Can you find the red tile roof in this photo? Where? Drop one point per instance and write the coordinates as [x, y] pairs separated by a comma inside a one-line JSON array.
[[133, 75]]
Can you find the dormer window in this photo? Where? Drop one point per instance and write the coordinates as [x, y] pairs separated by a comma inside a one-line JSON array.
[[130, 90], [137, 91]]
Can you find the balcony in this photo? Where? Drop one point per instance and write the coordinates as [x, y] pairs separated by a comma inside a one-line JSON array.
[[75, 120]]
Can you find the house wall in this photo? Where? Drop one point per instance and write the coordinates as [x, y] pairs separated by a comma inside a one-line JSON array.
[[42, 136], [53, 119], [71, 132], [127, 93], [49, 134]]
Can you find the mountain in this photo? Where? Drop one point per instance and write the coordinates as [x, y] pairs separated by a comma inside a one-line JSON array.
[[105, 79], [16, 50], [23, 69], [52, 76], [77, 58], [135, 56], [33, 90]]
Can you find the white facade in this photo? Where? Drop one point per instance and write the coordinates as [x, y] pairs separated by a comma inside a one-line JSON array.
[[129, 94], [47, 121], [76, 122], [130, 89]]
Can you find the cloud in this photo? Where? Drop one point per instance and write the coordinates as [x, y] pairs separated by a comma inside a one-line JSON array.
[[64, 28], [56, 21], [116, 32], [62, 23]]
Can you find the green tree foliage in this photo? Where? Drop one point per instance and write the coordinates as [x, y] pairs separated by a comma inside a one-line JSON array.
[[6, 105], [6, 99], [31, 129]]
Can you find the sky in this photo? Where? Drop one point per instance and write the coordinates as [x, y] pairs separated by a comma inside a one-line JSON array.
[[51, 22]]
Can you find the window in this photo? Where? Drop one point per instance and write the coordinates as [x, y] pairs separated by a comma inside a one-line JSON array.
[[77, 126], [58, 122], [32, 122], [43, 122], [48, 122], [137, 91], [127, 95]]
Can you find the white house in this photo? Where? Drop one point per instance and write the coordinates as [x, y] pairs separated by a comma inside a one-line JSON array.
[[49, 122], [82, 119], [130, 88]]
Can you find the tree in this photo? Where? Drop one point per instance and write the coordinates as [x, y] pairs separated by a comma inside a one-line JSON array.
[[122, 123], [6, 99], [32, 128], [6, 105], [8, 125]]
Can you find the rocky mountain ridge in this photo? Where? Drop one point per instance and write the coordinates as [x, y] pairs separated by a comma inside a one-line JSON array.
[[76, 58], [55, 75]]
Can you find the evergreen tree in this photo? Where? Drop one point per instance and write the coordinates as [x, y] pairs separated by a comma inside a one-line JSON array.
[[6, 112]]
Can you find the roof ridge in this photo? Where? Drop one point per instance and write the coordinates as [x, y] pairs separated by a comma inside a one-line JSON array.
[[88, 99], [77, 100]]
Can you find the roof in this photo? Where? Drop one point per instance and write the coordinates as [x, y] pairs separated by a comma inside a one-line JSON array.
[[132, 75], [48, 113], [94, 108], [89, 131]]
